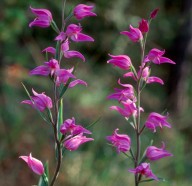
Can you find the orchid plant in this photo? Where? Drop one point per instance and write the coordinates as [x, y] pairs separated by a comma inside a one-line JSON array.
[[129, 97], [68, 135]]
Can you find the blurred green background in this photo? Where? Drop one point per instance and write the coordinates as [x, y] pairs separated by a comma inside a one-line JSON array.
[[96, 163]]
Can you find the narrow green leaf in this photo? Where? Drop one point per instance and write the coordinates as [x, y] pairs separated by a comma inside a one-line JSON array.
[[64, 90], [57, 51], [46, 166], [60, 117], [43, 181], [148, 180], [89, 126]]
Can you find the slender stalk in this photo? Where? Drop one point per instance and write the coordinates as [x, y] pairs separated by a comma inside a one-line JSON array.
[[138, 131], [57, 141], [63, 15]]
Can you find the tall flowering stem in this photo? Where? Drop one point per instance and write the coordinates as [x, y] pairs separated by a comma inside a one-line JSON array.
[[130, 97], [67, 134]]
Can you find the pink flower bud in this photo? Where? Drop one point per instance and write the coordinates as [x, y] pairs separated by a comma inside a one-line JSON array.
[[154, 153], [154, 13], [43, 19], [81, 11], [144, 26], [121, 141], [34, 164]]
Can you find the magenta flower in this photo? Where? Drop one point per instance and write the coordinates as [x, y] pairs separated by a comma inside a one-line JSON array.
[[70, 53], [129, 109], [61, 37], [82, 10], [46, 69], [121, 141], [50, 50], [121, 61], [34, 164], [43, 19], [156, 120], [155, 55], [154, 13], [39, 101], [134, 34], [77, 82], [144, 169], [123, 94], [144, 26], [74, 32], [69, 126], [154, 153], [63, 76], [74, 142]]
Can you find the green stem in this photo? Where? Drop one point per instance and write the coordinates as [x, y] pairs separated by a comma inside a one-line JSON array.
[[57, 141]]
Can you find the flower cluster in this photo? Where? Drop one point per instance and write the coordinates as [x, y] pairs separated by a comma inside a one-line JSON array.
[[129, 97], [67, 134]]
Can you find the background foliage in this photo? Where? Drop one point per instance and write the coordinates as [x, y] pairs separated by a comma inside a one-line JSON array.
[[95, 164]]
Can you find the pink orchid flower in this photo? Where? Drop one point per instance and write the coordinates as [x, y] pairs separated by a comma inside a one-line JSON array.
[[74, 32], [70, 53], [121, 61], [34, 164], [134, 34], [43, 19], [81, 11], [155, 55], [39, 101], [63, 76], [154, 153], [61, 37], [129, 109], [74, 142], [156, 120], [144, 169], [144, 74], [48, 68], [121, 141], [69, 125], [123, 94]]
